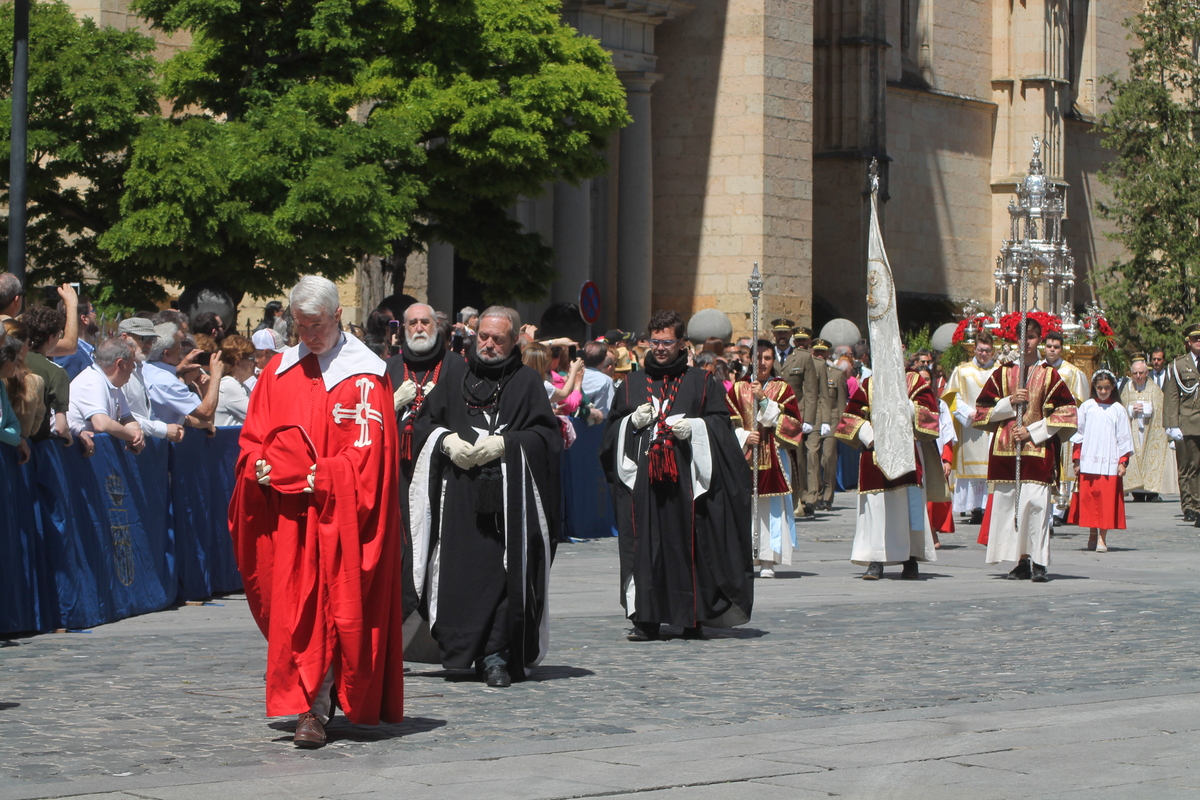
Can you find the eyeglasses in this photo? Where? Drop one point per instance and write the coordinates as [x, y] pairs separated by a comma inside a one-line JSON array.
[[662, 344]]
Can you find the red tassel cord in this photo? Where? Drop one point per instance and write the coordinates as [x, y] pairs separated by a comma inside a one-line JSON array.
[[664, 466], [406, 430]]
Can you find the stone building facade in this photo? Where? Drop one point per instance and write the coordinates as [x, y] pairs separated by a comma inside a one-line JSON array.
[[754, 122]]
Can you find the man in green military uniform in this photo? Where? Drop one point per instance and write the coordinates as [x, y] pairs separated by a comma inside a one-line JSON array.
[[821, 446], [1181, 418], [800, 372]]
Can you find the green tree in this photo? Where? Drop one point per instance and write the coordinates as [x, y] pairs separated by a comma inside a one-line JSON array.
[[89, 89], [310, 133], [1154, 179]]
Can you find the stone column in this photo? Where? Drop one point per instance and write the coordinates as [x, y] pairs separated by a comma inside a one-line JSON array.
[[635, 208], [441, 278], [572, 239]]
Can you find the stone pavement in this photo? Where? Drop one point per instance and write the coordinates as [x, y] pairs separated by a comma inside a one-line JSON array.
[[962, 685]]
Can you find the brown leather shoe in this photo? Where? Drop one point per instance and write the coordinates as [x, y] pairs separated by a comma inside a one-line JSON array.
[[309, 731]]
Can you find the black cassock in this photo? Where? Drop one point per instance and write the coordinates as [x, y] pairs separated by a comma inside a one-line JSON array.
[[686, 554], [422, 371], [484, 535]]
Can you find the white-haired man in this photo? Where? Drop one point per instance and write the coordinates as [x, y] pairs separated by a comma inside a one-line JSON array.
[[97, 404], [484, 497], [315, 524]]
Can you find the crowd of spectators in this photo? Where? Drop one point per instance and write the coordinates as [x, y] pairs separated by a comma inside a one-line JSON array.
[[156, 375]]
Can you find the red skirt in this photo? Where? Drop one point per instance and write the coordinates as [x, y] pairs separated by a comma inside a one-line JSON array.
[[941, 517], [1098, 502]]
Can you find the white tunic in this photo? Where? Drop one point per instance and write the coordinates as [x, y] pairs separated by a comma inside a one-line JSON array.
[[1104, 435]]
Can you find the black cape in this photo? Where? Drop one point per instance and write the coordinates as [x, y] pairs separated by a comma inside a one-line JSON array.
[[686, 560], [487, 548], [421, 370]]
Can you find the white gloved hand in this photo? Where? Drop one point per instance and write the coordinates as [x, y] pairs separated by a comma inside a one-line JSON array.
[[825, 428], [404, 395], [489, 448], [805, 428], [460, 452], [642, 416], [866, 435], [1175, 434], [682, 430], [965, 415]]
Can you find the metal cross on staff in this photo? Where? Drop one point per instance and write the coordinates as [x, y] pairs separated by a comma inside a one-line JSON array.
[[756, 284]]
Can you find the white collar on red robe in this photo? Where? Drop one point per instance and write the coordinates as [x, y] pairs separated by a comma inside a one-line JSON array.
[[348, 357]]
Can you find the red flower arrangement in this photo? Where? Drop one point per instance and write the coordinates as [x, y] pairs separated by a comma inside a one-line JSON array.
[[961, 330], [1010, 324]]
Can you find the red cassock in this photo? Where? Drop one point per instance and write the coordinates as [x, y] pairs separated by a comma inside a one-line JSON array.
[[772, 480], [925, 427], [322, 570]]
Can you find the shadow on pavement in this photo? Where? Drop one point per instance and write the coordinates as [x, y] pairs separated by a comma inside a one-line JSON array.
[[341, 729], [7, 706]]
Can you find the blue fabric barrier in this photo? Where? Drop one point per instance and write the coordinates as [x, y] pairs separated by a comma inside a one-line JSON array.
[[84, 541], [588, 503], [200, 512]]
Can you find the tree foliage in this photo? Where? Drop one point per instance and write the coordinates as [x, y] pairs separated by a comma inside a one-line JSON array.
[[310, 133], [89, 90], [1154, 179]]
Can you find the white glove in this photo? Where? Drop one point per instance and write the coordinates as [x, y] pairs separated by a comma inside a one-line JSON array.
[[965, 415], [489, 448], [404, 394], [866, 435], [461, 453], [1175, 434], [825, 428], [682, 430], [642, 416], [805, 428]]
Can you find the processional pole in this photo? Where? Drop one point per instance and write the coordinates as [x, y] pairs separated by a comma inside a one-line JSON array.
[[1022, 379], [756, 285]]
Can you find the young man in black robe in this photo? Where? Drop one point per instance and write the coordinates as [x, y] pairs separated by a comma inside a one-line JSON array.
[[414, 372], [484, 499], [681, 489]]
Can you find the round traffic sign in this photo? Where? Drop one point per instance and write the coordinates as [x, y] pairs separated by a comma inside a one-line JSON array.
[[589, 302]]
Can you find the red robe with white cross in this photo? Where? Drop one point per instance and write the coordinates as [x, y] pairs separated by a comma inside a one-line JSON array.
[[322, 569]]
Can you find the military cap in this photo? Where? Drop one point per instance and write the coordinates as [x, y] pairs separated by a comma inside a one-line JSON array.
[[821, 344], [782, 324], [801, 332], [1192, 330]]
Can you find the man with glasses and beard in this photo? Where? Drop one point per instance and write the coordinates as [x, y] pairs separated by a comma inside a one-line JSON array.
[[414, 372], [484, 507], [681, 489]]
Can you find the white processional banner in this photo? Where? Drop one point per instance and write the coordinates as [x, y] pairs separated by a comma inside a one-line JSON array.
[[891, 410]]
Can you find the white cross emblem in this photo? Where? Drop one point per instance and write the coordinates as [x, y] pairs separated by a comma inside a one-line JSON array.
[[362, 414]]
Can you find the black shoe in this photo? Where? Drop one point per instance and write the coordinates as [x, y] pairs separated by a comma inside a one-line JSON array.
[[809, 510], [910, 571], [1189, 516], [976, 517], [1039, 574], [643, 632], [1197, 522], [693, 633], [497, 676], [874, 571], [1022, 571]]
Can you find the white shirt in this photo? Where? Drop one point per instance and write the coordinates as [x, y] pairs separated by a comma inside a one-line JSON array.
[[170, 399], [1105, 436], [1158, 376], [93, 393], [138, 401], [599, 389], [232, 403]]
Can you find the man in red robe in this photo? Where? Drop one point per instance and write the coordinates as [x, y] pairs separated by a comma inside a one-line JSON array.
[[316, 524]]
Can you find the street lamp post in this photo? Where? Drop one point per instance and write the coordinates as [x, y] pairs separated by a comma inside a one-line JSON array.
[[18, 190]]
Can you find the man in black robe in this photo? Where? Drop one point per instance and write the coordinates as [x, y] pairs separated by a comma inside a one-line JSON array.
[[490, 467], [681, 489], [414, 372]]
